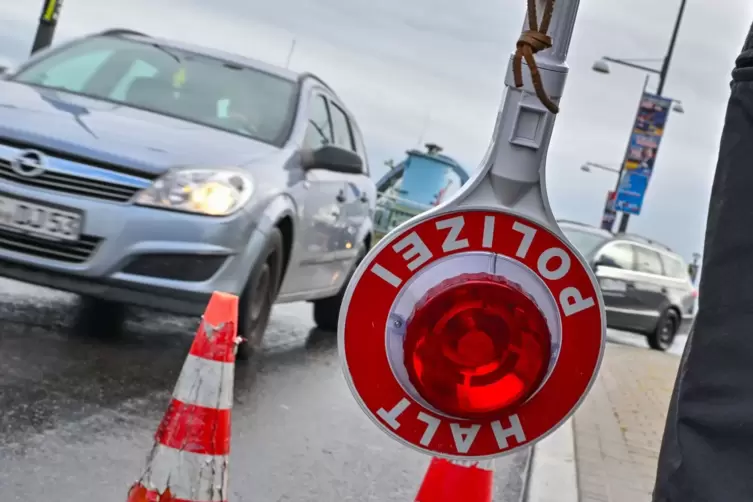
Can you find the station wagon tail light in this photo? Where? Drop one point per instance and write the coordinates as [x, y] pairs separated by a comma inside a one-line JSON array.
[[209, 192], [475, 345]]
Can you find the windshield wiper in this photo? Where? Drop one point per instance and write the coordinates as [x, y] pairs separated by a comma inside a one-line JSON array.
[[166, 51]]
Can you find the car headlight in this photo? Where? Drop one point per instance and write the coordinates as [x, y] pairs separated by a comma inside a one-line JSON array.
[[216, 192]]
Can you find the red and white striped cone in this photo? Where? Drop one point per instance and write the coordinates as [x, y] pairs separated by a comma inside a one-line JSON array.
[[458, 480], [189, 460]]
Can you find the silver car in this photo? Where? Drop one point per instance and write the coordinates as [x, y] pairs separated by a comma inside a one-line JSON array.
[[646, 286], [141, 171]]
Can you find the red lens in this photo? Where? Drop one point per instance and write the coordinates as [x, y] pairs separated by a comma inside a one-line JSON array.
[[475, 345]]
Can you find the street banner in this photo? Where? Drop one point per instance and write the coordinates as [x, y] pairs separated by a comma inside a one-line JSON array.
[[607, 219], [643, 146]]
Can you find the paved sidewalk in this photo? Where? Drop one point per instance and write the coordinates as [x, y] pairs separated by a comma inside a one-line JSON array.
[[619, 427]]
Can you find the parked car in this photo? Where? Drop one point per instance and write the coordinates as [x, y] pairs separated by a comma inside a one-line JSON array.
[[136, 170], [646, 286], [422, 181]]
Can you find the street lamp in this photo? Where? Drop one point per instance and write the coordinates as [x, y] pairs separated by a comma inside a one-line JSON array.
[[593, 165], [48, 21], [602, 66]]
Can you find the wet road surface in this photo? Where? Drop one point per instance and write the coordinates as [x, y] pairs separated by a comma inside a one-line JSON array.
[[78, 411], [634, 340]]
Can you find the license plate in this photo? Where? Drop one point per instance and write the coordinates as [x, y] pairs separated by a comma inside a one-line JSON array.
[[612, 285], [39, 219]]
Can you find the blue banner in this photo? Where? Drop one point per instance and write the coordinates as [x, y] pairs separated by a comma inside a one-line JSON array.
[[643, 146]]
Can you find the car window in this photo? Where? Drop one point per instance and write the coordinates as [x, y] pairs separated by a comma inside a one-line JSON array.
[[343, 136], [319, 131], [648, 261], [673, 267], [617, 255], [169, 81], [138, 70], [73, 73], [360, 147]]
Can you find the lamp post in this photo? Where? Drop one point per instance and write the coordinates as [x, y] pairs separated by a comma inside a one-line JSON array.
[[593, 165], [48, 21], [602, 66], [693, 267]]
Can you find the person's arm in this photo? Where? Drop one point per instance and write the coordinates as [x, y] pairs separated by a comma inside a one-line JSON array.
[[707, 450]]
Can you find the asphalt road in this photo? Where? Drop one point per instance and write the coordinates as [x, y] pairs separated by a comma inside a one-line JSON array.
[[79, 412], [624, 338]]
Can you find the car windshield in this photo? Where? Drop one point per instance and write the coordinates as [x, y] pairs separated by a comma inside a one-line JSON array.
[[171, 82], [585, 242]]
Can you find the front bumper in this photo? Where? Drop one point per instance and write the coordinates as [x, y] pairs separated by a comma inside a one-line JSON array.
[[136, 255]]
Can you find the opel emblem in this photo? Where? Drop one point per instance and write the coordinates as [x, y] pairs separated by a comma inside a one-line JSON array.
[[29, 164]]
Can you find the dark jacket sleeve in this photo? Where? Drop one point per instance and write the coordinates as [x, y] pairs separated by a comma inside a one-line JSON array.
[[707, 450]]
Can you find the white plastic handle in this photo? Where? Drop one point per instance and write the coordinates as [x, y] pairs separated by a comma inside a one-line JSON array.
[[512, 174]]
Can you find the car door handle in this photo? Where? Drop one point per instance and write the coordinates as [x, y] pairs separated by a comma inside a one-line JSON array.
[[364, 198], [340, 197]]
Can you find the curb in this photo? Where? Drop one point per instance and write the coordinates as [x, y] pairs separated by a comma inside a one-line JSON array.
[[553, 474]]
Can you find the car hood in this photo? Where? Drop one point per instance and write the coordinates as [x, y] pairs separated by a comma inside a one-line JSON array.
[[115, 134]]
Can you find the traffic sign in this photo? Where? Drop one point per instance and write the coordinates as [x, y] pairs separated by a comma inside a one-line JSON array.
[[471, 332]]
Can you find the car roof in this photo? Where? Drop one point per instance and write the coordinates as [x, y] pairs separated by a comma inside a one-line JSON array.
[[230, 57], [639, 239], [585, 227], [633, 238]]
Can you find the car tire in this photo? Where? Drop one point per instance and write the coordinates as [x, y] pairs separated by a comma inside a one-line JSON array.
[[258, 297], [327, 310], [99, 318], [666, 329]]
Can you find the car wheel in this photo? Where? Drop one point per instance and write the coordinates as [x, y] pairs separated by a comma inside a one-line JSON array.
[[327, 310], [259, 296], [100, 318], [664, 334]]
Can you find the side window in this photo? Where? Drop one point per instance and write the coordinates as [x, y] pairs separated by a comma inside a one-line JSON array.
[[319, 132], [618, 255], [139, 69], [673, 267], [73, 74], [648, 261], [341, 128]]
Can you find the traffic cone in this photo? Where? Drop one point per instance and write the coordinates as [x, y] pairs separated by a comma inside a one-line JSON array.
[[457, 480], [189, 459]]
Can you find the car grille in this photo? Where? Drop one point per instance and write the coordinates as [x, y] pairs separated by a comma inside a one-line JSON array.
[[68, 183], [70, 252]]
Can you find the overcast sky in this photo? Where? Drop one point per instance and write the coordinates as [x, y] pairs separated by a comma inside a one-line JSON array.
[[434, 69]]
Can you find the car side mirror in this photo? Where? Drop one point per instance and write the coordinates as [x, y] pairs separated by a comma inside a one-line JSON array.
[[332, 158]]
